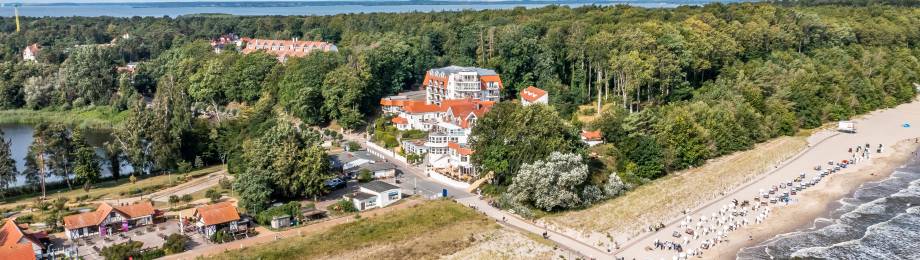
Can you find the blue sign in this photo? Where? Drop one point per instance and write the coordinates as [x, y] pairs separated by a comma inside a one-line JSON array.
[[444, 193]]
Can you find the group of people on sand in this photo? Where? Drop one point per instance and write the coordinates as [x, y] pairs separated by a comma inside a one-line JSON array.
[[709, 231]]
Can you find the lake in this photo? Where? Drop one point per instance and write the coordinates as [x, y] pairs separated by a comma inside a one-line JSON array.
[[173, 9], [21, 137]]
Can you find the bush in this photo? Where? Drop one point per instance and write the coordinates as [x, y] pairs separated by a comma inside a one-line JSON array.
[[183, 166], [225, 183], [365, 176], [353, 146], [122, 251], [175, 243], [414, 134], [291, 209], [28, 219], [186, 198], [212, 194], [221, 236], [344, 205], [173, 199]]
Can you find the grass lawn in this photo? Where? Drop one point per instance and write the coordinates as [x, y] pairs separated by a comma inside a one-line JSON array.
[[425, 231], [662, 199], [120, 188], [101, 117]]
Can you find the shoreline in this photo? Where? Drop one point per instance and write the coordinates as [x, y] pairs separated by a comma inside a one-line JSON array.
[[815, 203], [101, 118]]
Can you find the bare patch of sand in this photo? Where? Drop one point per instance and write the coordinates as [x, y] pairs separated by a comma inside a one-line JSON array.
[[508, 244]]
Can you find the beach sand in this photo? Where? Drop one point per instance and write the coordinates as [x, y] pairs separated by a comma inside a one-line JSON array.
[[814, 203]]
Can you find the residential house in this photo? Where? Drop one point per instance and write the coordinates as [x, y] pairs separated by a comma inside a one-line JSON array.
[[30, 53], [375, 194], [219, 216], [592, 138], [224, 41], [14, 239], [455, 82], [533, 95], [377, 169], [107, 219], [286, 48], [128, 68], [17, 252]]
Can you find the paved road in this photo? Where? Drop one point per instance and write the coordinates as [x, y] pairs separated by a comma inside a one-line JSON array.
[[414, 177]]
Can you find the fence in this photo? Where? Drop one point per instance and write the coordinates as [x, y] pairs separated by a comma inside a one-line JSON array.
[[381, 152]]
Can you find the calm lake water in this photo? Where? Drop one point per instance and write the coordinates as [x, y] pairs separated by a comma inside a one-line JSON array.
[[266, 8], [21, 138]]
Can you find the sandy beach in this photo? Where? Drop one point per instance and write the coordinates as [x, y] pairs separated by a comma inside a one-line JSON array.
[[883, 127], [815, 203]]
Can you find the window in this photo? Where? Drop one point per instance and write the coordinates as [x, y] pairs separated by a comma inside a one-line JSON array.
[[393, 195]]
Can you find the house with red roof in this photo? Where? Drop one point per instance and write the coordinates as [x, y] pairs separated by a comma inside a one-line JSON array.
[[216, 217], [15, 241], [107, 219], [534, 95], [284, 49], [592, 138], [30, 52], [455, 82]]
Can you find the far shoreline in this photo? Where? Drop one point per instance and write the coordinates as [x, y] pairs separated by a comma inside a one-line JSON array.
[[815, 203]]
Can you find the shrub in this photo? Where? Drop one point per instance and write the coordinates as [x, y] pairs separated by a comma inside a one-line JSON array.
[[212, 194], [122, 251], [183, 166], [291, 209], [186, 198], [225, 183], [175, 243], [173, 199], [353, 146], [365, 176], [344, 205], [221, 236]]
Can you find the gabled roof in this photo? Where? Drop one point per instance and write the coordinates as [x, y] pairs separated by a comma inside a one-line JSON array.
[[284, 48], [217, 213], [591, 135], [460, 149], [421, 107], [144, 208], [439, 75], [484, 80], [399, 120], [88, 218], [11, 234], [379, 186], [531, 93], [17, 252]]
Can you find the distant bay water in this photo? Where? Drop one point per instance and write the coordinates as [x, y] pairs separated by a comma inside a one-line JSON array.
[[174, 9]]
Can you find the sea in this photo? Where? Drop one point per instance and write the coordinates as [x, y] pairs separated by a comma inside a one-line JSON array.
[[67, 8], [880, 220]]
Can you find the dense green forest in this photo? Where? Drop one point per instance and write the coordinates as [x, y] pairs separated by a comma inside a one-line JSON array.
[[682, 85]]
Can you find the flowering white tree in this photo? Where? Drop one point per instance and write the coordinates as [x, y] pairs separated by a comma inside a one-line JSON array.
[[614, 185], [557, 182]]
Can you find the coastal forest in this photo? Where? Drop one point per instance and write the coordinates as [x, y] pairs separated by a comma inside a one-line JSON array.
[[669, 88]]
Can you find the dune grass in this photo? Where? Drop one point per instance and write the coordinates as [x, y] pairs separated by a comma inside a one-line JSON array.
[[424, 231], [100, 117], [664, 198]]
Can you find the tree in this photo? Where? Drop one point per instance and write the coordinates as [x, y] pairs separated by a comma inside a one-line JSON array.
[[7, 165], [114, 155], [511, 135], [300, 90], [122, 251], [131, 137], [254, 188], [88, 75], [558, 182], [175, 243], [86, 164], [344, 95], [213, 195], [365, 175], [54, 144], [247, 76]]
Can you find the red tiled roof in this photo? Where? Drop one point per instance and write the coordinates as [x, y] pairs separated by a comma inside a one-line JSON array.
[[490, 78], [432, 79], [10, 233], [285, 48], [217, 213], [17, 252], [461, 150], [144, 208], [591, 135], [400, 120], [421, 107], [531, 93]]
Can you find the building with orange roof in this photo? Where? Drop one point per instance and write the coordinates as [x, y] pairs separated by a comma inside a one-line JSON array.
[[455, 82], [284, 49], [14, 238], [592, 138], [218, 216], [17, 252], [534, 95], [107, 219]]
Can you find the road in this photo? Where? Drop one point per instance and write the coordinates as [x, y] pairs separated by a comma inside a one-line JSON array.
[[196, 185], [415, 178]]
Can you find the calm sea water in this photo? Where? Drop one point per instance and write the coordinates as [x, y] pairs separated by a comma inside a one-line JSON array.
[[158, 10], [881, 220]]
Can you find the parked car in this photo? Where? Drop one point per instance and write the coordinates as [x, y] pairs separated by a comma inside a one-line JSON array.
[[335, 184]]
